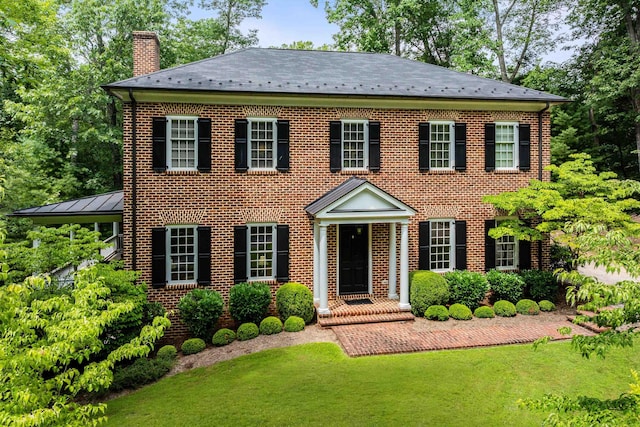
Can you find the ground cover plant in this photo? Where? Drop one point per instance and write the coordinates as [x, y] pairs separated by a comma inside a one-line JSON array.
[[322, 386]]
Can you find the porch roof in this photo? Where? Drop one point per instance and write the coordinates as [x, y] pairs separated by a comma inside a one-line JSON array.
[[105, 207]]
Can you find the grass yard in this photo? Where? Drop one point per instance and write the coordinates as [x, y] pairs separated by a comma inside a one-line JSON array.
[[316, 384]]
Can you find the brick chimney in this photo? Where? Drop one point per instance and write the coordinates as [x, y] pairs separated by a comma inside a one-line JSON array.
[[146, 53]]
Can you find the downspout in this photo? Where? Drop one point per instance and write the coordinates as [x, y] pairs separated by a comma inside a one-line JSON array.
[[540, 171], [134, 182]]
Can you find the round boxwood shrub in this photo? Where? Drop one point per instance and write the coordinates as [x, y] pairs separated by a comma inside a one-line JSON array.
[[193, 346], [295, 299], [294, 324], [505, 286], [540, 284], [200, 310], [504, 308], [484, 312], [427, 289], [223, 336], [527, 306], [249, 302], [270, 325], [466, 287], [167, 351], [460, 312], [437, 312], [247, 331], [546, 305]]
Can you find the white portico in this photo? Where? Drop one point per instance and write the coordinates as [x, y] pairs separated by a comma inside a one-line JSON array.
[[353, 207]]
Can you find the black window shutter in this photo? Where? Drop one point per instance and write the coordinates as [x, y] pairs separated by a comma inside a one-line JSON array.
[[423, 146], [158, 257], [282, 253], [524, 150], [461, 245], [524, 255], [204, 145], [282, 163], [159, 139], [424, 241], [489, 245], [374, 146], [335, 146], [461, 146], [242, 163], [204, 255], [489, 147], [240, 253]]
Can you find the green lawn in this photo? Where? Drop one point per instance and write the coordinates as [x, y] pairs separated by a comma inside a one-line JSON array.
[[316, 384]]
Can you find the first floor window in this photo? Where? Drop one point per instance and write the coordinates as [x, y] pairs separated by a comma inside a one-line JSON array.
[[506, 145], [441, 145], [261, 251], [354, 145], [182, 251], [506, 250], [182, 146], [262, 143], [441, 244]]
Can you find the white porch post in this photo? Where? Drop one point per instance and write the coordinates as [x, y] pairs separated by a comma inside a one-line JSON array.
[[404, 267], [115, 228], [316, 266], [393, 293], [324, 272]]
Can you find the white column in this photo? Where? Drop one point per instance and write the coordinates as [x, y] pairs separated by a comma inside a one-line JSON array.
[[316, 266], [96, 226], [115, 228], [404, 267], [324, 272], [393, 293]]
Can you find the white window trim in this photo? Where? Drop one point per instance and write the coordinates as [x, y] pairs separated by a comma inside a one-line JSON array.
[[168, 254], [516, 146], [452, 244], [274, 159], [516, 249], [366, 144], [195, 142], [274, 249], [452, 143]]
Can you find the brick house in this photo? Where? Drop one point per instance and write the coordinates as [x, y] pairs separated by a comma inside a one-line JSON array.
[[339, 170]]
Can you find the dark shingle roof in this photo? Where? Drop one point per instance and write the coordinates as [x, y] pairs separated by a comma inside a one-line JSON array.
[[282, 71], [334, 194], [102, 204]]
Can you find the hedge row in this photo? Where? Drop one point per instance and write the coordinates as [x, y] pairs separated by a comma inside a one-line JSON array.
[[502, 308]]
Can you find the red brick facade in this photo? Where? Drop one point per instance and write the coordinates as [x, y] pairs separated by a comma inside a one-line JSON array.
[[146, 51]]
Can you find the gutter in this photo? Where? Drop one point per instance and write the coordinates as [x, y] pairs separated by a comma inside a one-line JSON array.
[[540, 171], [134, 182]]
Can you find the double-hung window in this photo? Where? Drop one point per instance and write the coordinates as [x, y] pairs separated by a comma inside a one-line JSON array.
[[354, 146], [355, 149], [261, 249], [442, 245], [182, 147], [182, 254], [506, 148], [441, 145], [262, 143], [506, 252]]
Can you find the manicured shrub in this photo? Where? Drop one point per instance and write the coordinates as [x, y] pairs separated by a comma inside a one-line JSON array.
[[527, 306], [247, 331], [466, 287], [167, 351], [200, 310], [193, 346], [295, 299], [437, 312], [484, 312], [294, 324], [427, 289], [142, 371], [505, 286], [223, 336], [504, 308], [460, 312], [540, 284], [270, 325], [546, 305], [249, 302]]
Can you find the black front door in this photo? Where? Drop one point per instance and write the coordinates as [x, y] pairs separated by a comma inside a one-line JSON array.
[[354, 259]]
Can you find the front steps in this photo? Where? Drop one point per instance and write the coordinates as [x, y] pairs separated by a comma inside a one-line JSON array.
[[382, 310]]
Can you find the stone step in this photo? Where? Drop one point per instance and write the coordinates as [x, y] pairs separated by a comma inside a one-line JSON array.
[[327, 322]]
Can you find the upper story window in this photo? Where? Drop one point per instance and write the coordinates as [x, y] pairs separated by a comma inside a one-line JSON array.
[[263, 143], [441, 145], [506, 146], [355, 148], [181, 143], [354, 145], [182, 149]]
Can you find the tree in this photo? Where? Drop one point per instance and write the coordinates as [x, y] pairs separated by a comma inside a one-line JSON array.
[[304, 45], [230, 14]]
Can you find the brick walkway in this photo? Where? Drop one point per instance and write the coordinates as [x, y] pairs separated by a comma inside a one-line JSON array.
[[401, 337]]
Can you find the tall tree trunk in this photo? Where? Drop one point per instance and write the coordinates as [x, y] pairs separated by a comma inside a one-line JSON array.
[[631, 20], [500, 42]]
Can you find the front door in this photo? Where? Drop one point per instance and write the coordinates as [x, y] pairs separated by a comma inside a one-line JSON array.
[[354, 259]]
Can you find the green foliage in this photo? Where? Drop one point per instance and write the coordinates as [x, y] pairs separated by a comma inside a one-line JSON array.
[[546, 305], [249, 302], [527, 307], [540, 284], [505, 286], [294, 324], [295, 299], [426, 289], [484, 312], [467, 287], [437, 312], [270, 325], [504, 308], [193, 346], [200, 310], [460, 312], [223, 337], [167, 352], [247, 331], [143, 371]]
